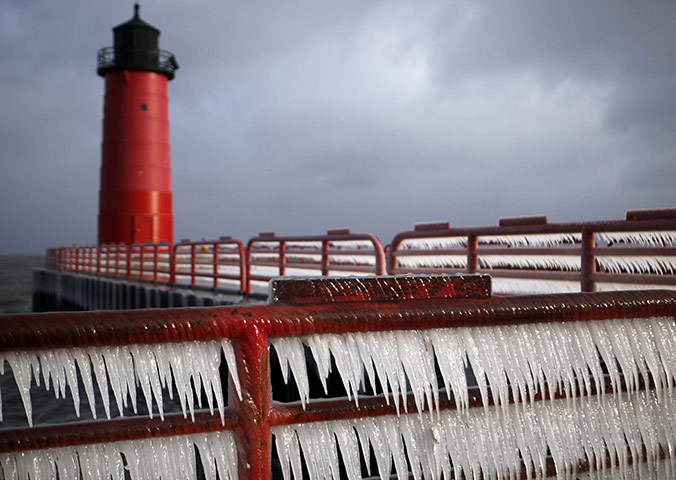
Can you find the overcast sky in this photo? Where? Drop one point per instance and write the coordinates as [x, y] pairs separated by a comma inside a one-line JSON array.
[[298, 116]]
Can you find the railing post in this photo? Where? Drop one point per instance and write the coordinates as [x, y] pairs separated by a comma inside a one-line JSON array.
[[156, 252], [472, 257], [253, 428], [282, 258], [129, 248], [243, 269], [214, 252], [325, 258], [587, 260], [193, 266], [172, 263]]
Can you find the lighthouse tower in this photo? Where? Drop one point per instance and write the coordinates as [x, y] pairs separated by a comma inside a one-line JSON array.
[[135, 194]]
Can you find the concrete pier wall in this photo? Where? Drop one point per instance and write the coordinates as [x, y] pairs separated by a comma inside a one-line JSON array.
[[63, 291]]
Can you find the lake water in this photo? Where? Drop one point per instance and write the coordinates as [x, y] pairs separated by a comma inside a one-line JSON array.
[[16, 281]]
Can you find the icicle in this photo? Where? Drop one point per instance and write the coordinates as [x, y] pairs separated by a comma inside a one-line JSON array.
[[613, 286], [661, 265], [434, 261], [545, 261], [353, 244], [429, 243], [348, 259], [642, 238], [161, 457], [516, 360], [191, 364], [532, 286], [494, 442], [542, 239], [292, 356]]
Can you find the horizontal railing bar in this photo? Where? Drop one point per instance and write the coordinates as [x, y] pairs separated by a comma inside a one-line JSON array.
[[642, 278], [376, 405], [432, 251], [82, 329], [105, 431], [453, 313], [532, 274], [427, 270], [634, 251], [564, 227], [349, 267]]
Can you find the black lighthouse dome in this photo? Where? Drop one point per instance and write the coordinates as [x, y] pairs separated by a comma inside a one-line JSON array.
[[136, 48]]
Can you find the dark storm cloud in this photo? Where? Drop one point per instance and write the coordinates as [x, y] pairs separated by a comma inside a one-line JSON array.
[[301, 116]]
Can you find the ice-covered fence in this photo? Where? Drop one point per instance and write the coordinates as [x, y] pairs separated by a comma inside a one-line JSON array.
[[213, 263], [117, 357], [338, 252], [531, 255], [564, 383], [148, 261]]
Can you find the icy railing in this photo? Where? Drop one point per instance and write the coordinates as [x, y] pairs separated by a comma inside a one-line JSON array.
[[539, 363], [525, 255], [536, 382], [530, 255], [338, 252], [512, 362], [491, 443], [217, 264]]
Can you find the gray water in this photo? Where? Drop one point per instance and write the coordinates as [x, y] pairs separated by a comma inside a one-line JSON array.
[[16, 281], [16, 287]]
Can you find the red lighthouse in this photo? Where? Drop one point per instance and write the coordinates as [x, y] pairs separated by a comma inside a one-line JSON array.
[[135, 195]]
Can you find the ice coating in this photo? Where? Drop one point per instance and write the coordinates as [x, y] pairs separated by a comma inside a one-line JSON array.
[[535, 239], [612, 286], [435, 261], [348, 259], [162, 457], [642, 238], [498, 442], [661, 265], [546, 261], [533, 286], [516, 360], [189, 367], [427, 243]]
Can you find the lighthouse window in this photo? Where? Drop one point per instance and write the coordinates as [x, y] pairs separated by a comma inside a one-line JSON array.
[[144, 107]]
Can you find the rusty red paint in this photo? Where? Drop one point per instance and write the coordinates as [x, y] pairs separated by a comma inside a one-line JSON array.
[[652, 214], [532, 220], [250, 328], [383, 288], [82, 329], [252, 433]]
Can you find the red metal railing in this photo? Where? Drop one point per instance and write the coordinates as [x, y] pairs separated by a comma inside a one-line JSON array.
[[639, 252], [217, 264], [251, 327], [338, 252], [522, 254]]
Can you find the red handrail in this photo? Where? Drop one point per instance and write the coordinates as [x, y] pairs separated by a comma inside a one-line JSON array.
[[250, 327], [269, 255], [639, 252], [209, 260], [582, 248]]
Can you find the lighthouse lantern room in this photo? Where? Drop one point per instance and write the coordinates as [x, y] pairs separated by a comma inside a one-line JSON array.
[[135, 203]]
